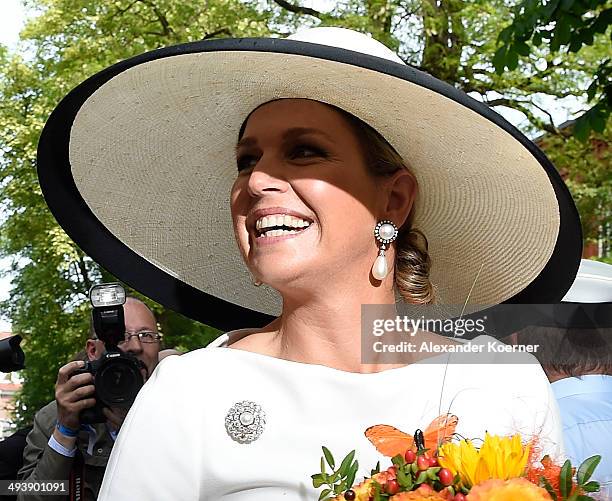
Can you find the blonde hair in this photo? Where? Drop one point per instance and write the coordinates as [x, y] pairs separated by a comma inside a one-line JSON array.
[[412, 260]]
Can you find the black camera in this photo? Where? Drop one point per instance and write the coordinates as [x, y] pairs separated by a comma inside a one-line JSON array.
[[11, 354], [117, 375]]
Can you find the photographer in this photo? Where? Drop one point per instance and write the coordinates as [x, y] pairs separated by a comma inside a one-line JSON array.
[[61, 447]]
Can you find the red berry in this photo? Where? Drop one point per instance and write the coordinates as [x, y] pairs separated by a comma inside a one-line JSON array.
[[433, 462], [350, 495], [392, 487], [459, 497], [422, 463], [425, 489], [410, 456], [445, 476], [392, 470]]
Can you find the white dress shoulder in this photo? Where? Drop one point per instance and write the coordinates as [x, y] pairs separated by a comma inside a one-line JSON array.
[[174, 444]]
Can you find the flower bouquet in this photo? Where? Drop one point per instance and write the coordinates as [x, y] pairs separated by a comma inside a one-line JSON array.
[[501, 469]]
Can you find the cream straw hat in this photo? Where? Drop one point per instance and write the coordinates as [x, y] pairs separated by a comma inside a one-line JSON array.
[[137, 163]]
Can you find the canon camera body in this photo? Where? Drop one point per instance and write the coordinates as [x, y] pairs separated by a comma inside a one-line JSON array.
[[117, 375]]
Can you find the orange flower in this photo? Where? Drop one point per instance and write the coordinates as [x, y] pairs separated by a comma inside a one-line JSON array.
[[362, 491], [423, 493], [508, 490], [418, 496], [550, 471]]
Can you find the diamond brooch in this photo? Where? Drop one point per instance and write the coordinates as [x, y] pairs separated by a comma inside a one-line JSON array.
[[245, 422]]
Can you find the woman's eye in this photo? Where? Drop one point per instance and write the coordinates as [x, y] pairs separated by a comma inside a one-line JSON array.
[[246, 162], [305, 151]]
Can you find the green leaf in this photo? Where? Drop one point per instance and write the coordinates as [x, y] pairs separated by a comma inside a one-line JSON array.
[[350, 479], [404, 480], [565, 479], [499, 59], [329, 457], [522, 48], [422, 477], [586, 469], [377, 489], [603, 21], [317, 481], [537, 39], [598, 121], [591, 486], [346, 463], [575, 45], [563, 31], [546, 484], [375, 470], [505, 35], [592, 90], [582, 128], [550, 8], [511, 60], [324, 493], [432, 473], [322, 465]]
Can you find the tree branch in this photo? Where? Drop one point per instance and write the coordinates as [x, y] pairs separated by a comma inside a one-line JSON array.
[[123, 11], [519, 106], [225, 31], [297, 9], [550, 118], [163, 20], [83, 268]]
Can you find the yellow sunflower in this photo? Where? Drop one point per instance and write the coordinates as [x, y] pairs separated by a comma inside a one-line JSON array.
[[498, 457]]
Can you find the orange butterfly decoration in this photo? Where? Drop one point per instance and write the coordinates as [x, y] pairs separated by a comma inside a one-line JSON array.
[[390, 441]]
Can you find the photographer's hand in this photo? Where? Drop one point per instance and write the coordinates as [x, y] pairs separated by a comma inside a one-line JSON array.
[[71, 395], [115, 417]]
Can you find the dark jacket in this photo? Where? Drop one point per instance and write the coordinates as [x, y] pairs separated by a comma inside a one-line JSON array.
[[41, 462]]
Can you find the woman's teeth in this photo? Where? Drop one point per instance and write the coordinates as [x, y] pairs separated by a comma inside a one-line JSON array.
[[280, 224], [278, 233]]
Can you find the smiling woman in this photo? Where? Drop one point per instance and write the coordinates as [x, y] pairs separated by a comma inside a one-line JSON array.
[[304, 159], [348, 179], [304, 137]]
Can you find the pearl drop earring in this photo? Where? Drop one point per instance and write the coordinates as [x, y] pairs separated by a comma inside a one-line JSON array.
[[385, 233]]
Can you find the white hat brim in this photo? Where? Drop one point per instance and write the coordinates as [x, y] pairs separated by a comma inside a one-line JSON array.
[[137, 164]]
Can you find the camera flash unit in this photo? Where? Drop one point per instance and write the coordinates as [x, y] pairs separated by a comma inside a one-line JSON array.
[[104, 295]]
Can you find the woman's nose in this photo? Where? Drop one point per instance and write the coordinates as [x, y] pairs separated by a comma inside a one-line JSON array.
[[266, 178]]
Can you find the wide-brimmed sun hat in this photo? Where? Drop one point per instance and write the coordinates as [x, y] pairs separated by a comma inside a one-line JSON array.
[[137, 164]]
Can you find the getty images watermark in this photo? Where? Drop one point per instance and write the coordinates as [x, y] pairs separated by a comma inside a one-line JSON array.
[[427, 334]]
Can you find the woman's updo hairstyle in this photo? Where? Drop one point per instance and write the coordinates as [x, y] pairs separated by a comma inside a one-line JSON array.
[[412, 261]]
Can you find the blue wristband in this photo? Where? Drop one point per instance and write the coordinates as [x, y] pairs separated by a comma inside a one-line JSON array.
[[64, 430]]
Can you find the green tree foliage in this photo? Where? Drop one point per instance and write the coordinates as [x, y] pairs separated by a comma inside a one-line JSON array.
[[69, 40], [569, 24], [586, 170]]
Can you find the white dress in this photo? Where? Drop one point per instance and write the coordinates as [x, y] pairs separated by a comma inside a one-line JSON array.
[[174, 444]]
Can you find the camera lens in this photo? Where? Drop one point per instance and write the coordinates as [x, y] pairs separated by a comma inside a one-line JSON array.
[[118, 382]]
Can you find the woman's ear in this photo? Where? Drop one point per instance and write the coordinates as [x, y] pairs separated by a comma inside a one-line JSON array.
[[401, 194]]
